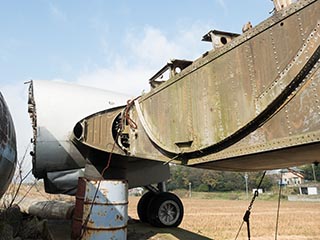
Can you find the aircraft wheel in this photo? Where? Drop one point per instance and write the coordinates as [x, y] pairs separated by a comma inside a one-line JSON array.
[[143, 204], [165, 210]]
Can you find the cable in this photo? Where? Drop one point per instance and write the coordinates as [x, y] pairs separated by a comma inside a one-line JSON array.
[[110, 155], [128, 119], [84, 226], [278, 209], [125, 119], [246, 216]]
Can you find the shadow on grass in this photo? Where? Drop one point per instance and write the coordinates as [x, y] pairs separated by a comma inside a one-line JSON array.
[[143, 231]]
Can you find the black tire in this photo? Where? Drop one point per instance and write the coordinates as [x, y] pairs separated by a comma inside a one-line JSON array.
[[165, 210], [143, 204]]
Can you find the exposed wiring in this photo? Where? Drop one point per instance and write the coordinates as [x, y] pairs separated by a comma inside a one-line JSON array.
[[110, 155], [126, 120], [127, 117], [84, 226]]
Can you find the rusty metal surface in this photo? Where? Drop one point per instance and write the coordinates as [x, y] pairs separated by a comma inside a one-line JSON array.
[[263, 67], [106, 207], [78, 210], [255, 97], [234, 91], [98, 132], [8, 149]]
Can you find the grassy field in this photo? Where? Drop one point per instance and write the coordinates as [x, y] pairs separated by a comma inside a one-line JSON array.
[[218, 216], [221, 219]]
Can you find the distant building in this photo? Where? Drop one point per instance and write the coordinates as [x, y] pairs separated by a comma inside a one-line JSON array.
[[311, 188], [292, 178]]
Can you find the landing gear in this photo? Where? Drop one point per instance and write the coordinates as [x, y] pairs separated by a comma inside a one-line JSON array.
[[143, 205], [160, 209], [165, 210]]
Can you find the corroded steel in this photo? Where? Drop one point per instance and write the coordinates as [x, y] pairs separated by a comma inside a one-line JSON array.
[[105, 211], [256, 97], [261, 79], [8, 149], [78, 210], [97, 130], [227, 103]]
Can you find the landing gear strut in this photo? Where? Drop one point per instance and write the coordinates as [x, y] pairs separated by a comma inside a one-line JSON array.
[[160, 209]]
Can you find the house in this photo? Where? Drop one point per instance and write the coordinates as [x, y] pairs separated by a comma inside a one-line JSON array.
[[292, 177]]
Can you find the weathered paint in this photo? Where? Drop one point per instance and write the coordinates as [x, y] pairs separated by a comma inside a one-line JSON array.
[[8, 151], [254, 59], [105, 211], [251, 104], [55, 108], [78, 210]]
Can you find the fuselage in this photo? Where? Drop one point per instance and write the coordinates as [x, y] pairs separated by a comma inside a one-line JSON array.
[[8, 151]]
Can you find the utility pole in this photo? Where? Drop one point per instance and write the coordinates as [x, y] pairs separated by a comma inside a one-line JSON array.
[[190, 192], [314, 172], [246, 179]]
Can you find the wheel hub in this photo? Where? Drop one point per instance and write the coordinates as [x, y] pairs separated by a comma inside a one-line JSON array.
[[169, 212]]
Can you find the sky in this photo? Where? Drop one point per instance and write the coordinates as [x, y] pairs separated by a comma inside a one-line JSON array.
[[110, 44]]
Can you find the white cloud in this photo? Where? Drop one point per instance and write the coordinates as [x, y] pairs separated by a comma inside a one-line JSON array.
[[129, 73], [146, 53], [153, 48], [57, 13], [223, 4], [119, 78]]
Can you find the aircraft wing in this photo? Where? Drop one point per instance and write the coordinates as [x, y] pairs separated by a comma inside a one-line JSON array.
[[250, 104]]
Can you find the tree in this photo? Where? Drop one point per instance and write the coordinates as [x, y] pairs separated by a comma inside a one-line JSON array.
[[210, 180], [308, 172]]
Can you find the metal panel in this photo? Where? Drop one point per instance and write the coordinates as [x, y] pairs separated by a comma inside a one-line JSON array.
[[248, 97], [250, 104], [55, 108], [106, 206], [234, 88], [97, 130], [8, 149]]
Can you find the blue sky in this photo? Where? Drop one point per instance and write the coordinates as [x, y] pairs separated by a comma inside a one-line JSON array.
[[115, 45], [69, 39]]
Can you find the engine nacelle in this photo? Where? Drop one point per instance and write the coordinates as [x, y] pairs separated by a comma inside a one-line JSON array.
[[56, 110]]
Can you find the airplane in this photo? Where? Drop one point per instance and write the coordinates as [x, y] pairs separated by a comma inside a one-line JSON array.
[[8, 148], [251, 103]]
